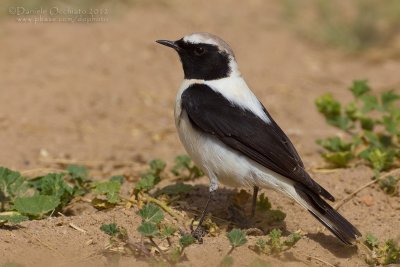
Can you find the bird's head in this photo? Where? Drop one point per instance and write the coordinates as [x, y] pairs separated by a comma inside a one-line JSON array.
[[204, 56]]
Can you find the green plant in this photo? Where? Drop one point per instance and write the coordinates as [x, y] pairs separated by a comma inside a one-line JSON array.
[[185, 169], [275, 244], [236, 238], [36, 197], [382, 253], [264, 206], [372, 124], [12, 184], [107, 192], [151, 177], [152, 227]]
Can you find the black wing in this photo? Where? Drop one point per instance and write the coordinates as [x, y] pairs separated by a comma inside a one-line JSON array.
[[244, 131]]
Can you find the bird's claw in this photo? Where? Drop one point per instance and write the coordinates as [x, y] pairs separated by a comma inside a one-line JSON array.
[[198, 233]]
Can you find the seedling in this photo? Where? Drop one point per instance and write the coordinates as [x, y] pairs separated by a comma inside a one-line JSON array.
[[12, 217], [36, 206], [237, 238], [152, 227], [110, 190], [264, 207], [275, 244], [12, 184], [185, 169], [384, 253], [372, 124], [150, 178]]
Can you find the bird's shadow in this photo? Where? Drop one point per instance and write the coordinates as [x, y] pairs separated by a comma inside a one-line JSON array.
[[225, 211], [332, 244], [228, 215]]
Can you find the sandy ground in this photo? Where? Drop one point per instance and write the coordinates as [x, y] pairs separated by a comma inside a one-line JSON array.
[[105, 92]]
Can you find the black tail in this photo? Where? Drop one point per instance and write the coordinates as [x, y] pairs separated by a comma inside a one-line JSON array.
[[328, 216]]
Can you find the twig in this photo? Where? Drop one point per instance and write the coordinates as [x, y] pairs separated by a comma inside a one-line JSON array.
[[158, 248], [140, 247], [72, 225], [318, 259], [231, 250], [325, 170], [346, 199]]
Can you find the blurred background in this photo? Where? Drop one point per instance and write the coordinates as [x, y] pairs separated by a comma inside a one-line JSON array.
[[85, 80]]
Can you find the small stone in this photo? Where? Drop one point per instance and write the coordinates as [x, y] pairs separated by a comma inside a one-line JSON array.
[[367, 200]]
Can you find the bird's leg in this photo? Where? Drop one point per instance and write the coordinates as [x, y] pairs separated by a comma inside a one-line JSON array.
[[253, 206], [199, 232]]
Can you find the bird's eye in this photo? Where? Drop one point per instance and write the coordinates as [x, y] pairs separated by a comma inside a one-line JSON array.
[[199, 51]]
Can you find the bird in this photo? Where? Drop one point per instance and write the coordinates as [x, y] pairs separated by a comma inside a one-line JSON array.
[[233, 139]]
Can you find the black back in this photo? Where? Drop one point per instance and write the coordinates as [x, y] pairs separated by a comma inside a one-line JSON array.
[[243, 131]]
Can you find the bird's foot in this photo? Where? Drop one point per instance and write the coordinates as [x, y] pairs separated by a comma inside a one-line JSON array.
[[198, 233]]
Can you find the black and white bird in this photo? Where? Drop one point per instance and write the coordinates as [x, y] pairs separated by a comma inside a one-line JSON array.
[[231, 136]]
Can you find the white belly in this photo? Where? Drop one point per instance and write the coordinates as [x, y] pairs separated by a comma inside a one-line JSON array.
[[224, 164]]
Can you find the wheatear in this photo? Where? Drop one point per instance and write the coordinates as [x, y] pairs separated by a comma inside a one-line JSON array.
[[231, 136]]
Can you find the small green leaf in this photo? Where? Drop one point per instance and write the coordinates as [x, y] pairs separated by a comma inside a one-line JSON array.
[[275, 241], [352, 111], [168, 231], [380, 160], [390, 253], [12, 217], [78, 172], [151, 213], [275, 216], [110, 229], [359, 88], [338, 159], [392, 123], [367, 123], [226, 261], [388, 98], [292, 239], [340, 122], [181, 162], [36, 206], [118, 178], [389, 184], [111, 189], [157, 166], [263, 203], [147, 182], [371, 240], [12, 184], [186, 240], [185, 169], [175, 189], [114, 230], [53, 184], [328, 106], [261, 243], [237, 237], [148, 229], [334, 144], [370, 103]]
